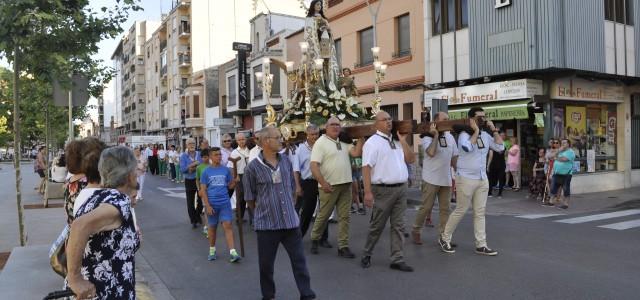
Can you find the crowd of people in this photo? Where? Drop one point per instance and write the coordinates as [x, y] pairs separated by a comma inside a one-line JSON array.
[[286, 189]]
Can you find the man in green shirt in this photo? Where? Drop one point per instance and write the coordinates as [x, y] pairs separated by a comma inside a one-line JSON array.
[[204, 154]]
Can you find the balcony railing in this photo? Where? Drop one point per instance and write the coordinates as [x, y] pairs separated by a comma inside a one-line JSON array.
[[163, 45], [184, 29], [184, 60], [402, 53], [163, 71], [163, 97]]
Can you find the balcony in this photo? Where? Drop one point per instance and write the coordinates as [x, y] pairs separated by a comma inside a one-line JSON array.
[[184, 60], [164, 123], [163, 45], [163, 97], [163, 71], [184, 29]]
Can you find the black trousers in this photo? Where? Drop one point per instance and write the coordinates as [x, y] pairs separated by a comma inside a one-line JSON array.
[[306, 205], [268, 243], [153, 165], [497, 176], [194, 210]]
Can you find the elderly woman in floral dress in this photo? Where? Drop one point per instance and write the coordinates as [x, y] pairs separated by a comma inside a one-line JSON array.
[[103, 239]]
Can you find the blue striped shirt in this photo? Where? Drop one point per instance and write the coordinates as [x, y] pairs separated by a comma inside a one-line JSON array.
[[274, 201]]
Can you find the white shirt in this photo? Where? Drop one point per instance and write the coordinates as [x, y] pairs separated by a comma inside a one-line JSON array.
[[58, 174], [255, 151], [225, 156], [302, 161], [162, 154], [387, 164], [83, 196], [472, 159], [148, 152], [243, 154], [173, 157], [435, 168]]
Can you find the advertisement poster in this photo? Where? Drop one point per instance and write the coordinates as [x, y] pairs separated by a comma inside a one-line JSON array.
[[591, 160], [558, 122], [576, 122], [611, 128]]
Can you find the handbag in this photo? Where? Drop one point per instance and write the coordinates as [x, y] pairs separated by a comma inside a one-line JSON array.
[[58, 254]]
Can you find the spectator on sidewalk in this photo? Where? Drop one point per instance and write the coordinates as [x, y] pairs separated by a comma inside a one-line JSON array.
[[172, 158], [269, 189], [496, 167], [59, 169], [41, 167], [441, 152], [179, 177], [385, 176], [331, 167], [189, 160], [562, 172], [162, 160], [103, 239], [536, 186], [471, 180], [226, 149], [215, 180], [141, 171], [513, 163]]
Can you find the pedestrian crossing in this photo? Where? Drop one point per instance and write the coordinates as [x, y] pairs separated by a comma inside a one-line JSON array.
[[615, 217]]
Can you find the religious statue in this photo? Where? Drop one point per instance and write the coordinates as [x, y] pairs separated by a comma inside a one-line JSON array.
[[347, 82], [317, 34]]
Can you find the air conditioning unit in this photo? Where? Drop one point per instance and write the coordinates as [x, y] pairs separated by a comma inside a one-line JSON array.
[[237, 121]]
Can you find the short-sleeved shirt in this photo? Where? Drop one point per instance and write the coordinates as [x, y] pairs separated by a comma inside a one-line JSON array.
[[435, 168], [387, 164], [199, 169], [302, 161], [335, 165], [243, 154], [564, 167], [108, 259], [217, 181]]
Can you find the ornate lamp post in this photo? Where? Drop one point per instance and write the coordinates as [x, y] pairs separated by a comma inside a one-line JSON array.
[[265, 78], [380, 71]]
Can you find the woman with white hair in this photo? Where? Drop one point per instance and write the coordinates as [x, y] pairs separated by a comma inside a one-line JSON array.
[[103, 240]]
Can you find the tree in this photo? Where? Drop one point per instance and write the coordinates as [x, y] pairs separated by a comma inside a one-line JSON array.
[[49, 39]]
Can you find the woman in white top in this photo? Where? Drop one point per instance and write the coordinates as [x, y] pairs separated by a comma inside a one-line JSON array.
[[59, 169], [173, 159], [162, 160], [141, 170]]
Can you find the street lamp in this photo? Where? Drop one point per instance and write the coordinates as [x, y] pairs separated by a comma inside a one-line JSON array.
[[265, 79]]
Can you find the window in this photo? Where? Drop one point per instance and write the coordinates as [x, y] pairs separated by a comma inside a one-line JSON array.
[[232, 90], [365, 38], [403, 26], [196, 106], [338, 45], [257, 88], [619, 11], [275, 84], [449, 15]]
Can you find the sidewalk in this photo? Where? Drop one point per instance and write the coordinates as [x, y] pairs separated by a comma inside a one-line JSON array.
[[27, 274], [517, 203]]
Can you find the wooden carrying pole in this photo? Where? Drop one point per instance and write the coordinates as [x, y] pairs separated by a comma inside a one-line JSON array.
[[238, 215]]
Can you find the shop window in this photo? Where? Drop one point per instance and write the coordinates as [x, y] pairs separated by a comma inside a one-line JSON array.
[[592, 130]]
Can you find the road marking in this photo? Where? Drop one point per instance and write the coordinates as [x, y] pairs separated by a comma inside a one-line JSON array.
[[538, 216], [174, 192], [622, 213], [622, 225]]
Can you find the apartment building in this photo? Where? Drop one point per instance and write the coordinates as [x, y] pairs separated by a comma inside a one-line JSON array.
[[543, 69], [399, 33], [129, 61]]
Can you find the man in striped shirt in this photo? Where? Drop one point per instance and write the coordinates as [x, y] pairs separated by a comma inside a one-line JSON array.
[[269, 188]]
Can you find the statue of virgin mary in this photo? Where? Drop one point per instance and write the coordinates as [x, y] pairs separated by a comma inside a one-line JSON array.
[[321, 46]]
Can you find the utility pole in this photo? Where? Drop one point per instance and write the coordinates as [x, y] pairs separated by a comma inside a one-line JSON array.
[[17, 142]]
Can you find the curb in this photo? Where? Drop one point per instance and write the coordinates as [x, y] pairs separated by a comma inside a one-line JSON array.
[[149, 286]]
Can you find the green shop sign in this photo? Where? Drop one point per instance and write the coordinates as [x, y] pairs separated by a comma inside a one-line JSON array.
[[506, 111]]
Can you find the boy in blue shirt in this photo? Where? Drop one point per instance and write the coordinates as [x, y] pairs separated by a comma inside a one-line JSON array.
[[215, 181]]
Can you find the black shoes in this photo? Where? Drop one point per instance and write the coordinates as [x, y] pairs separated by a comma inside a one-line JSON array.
[[564, 206], [486, 251], [365, 262], [446, 247], [314, 247], [346, 253], [325, 244], [401, 266]]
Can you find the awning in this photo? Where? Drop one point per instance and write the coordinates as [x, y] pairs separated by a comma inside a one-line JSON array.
[[505, 110]]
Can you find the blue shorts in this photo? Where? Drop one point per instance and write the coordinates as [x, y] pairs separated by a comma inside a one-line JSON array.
[[222, 213]]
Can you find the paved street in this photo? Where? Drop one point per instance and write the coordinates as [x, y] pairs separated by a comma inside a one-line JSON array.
[[545, 254]]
